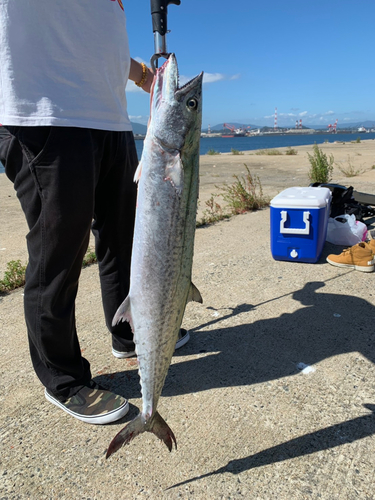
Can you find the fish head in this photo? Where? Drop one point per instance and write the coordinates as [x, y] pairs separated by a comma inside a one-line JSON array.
[[176, 112]]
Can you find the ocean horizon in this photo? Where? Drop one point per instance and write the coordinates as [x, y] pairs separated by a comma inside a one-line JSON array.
[[226, 144]]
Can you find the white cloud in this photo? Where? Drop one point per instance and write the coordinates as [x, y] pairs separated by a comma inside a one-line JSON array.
[[140, 60], [304, 113], [213, 77], [132, 87], [210, 78], [328, 113]]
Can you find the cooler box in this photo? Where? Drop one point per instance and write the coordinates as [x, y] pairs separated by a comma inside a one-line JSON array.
[[299, 219]]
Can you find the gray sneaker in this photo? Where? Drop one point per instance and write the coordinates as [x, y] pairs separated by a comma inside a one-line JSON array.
[[183, 338], [92, 404]]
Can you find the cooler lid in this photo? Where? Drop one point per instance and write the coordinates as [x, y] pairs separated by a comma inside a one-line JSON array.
[[302, 197]]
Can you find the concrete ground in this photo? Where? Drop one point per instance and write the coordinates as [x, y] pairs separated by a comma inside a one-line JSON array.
[[272, 398]]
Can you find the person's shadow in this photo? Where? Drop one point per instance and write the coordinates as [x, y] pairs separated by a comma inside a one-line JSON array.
[[245, 354]]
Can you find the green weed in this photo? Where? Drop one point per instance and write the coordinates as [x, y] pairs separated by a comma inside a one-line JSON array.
[[213, 212], [291, 151], [14, 276], [212, 152], [246, 194], [349, 170], [236, 152], [270, 152], [321, 167], [89, 258]]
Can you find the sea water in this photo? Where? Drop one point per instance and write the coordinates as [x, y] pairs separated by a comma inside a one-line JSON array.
[[226, 144]]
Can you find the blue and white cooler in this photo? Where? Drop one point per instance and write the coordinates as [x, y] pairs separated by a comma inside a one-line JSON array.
[[299, 219]]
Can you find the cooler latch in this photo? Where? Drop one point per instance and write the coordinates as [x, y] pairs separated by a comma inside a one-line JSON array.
[[294, 230]]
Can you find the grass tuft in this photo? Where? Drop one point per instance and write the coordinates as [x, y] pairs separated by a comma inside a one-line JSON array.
[[269, 152], [89, 258], [14, 276], [213, 213], [290, 151], [321, 167], [236, 152], [349, 170], [245, 194]]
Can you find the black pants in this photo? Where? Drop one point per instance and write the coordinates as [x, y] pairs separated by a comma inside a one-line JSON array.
[[69, 180]]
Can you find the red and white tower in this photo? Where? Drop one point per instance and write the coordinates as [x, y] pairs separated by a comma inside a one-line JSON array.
[[300, 123], [275, 122]]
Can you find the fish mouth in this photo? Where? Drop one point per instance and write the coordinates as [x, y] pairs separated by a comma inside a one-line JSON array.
[[169, 79]]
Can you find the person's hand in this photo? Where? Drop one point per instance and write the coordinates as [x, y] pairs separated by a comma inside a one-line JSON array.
[[141, 75], [149, 79]]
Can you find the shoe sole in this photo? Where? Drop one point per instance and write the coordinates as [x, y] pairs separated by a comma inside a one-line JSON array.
[[363, 269], [123, 355], [106, 418], [183, 340]]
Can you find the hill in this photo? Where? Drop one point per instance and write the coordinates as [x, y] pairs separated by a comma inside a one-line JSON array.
[[138, 128]]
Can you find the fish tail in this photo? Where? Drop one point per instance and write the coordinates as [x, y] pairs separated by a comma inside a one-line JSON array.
[[162, 430], [157, 425], [129, 432]]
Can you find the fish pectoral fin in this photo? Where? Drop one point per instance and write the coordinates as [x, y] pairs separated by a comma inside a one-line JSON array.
[[174, 173], [138, 173], [194, 294], [123, 313]]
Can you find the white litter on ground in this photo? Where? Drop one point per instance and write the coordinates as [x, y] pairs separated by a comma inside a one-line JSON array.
[[337, 315], [305, 369]]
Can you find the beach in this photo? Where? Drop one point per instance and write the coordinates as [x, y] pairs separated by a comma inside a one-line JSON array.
[[276, 172], [272, 398]]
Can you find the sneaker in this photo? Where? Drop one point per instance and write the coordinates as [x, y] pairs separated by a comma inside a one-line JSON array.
[[359, 257], [92, 404], [183, 338]]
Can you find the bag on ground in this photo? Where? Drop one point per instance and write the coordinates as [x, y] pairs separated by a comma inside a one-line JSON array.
[[345, 230]]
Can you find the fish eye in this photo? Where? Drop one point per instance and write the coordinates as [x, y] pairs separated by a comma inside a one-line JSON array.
[[192, 103]]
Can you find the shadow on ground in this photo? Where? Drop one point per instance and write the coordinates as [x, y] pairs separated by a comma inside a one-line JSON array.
[[327, 325], [336, 435]]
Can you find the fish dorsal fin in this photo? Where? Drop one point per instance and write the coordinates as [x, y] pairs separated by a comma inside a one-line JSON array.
[[138, 172], [194, 294], [123, 313], [175, 173]]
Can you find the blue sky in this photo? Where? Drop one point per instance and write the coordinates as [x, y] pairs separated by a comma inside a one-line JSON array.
[[312, 59]]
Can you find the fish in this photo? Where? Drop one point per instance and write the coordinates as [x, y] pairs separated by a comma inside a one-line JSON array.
[[163, 243]]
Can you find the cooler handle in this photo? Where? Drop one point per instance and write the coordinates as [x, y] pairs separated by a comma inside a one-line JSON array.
[[295, 230]]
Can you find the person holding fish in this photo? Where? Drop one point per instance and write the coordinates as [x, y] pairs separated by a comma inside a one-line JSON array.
[[68, 147]]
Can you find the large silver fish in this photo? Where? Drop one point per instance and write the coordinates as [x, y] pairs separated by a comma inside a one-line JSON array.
[[160, 281]]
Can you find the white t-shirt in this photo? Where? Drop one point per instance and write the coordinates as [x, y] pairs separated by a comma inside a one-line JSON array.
[[64, 63]]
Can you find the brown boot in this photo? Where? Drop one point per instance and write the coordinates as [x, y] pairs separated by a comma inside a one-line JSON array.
[[359, 257], [371, 245]]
